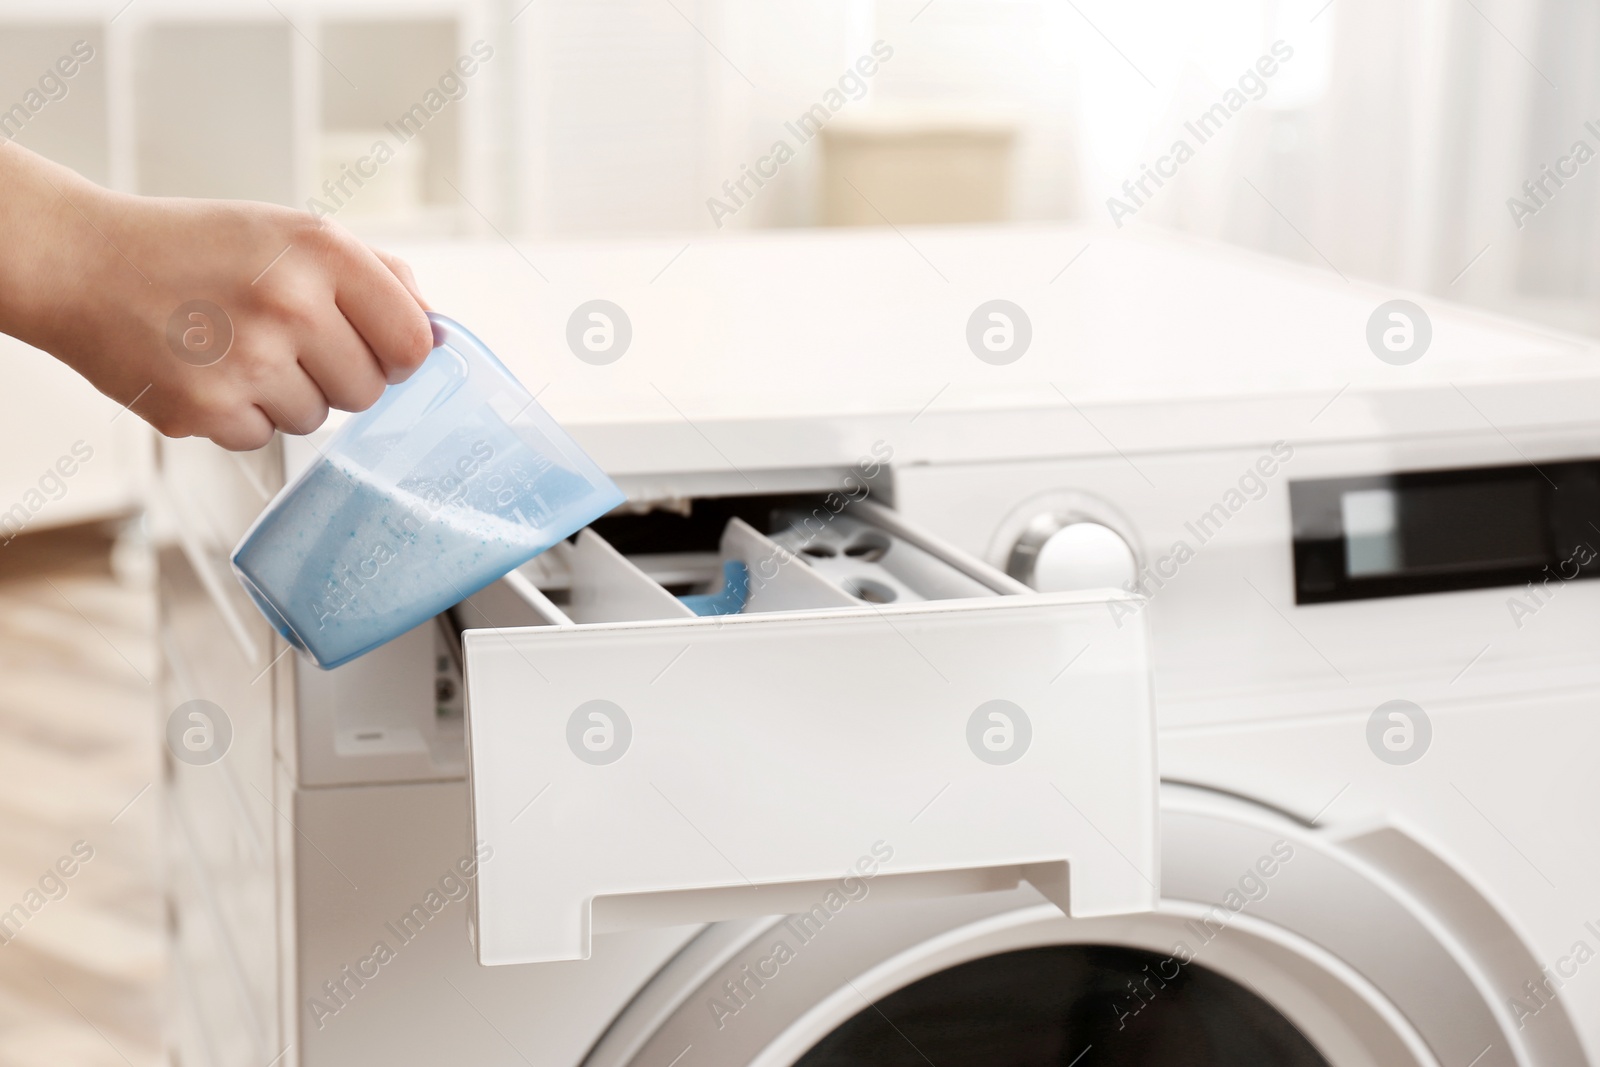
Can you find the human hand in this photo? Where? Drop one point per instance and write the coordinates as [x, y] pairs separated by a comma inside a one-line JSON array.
[[302, 316]]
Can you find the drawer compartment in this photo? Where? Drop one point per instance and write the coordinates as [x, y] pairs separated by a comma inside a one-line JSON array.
[[668, 770]]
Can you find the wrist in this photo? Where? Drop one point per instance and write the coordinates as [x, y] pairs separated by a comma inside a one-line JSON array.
[[47, 268]]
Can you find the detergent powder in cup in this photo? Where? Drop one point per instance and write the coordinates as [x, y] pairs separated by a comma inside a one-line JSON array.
[[453, 479]]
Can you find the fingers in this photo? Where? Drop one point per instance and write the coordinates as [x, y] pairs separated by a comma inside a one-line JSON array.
[[384, 312], [243, 431], [292, 401], [341, 365], [239, 427], [328, 326], [402, 270]]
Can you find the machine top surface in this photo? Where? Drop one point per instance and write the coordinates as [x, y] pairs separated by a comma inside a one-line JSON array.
[[802, 348]]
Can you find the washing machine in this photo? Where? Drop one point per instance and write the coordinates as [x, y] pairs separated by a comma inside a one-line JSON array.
[[1033, 645]]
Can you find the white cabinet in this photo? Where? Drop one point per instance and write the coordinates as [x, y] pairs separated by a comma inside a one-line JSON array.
[[67, 454]]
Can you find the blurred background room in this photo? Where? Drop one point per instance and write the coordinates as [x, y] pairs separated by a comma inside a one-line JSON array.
[[1398, 141]]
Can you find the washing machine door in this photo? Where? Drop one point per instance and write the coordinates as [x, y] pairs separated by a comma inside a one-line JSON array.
[[1275, 943]]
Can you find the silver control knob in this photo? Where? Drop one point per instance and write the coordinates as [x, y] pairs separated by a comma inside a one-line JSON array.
[[1065, 553]]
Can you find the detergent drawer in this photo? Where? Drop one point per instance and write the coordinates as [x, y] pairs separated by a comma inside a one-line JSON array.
[[852, 730]]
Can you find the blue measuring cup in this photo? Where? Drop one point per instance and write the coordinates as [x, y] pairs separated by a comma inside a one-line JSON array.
[[454, 478]]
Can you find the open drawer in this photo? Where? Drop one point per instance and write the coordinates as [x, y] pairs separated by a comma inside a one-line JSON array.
[[884, 717]]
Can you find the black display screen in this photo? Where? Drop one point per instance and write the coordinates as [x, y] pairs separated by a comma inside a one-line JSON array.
[[1435, 531]]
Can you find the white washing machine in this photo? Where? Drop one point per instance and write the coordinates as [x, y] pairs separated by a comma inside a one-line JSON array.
[[912, 803]]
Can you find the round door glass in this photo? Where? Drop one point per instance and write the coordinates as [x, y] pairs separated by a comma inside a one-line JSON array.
[[1068, 1006]]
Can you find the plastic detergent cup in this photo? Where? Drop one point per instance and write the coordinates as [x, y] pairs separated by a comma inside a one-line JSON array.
[[454, 478]]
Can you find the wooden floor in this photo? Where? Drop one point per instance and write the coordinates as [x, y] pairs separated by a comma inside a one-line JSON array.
[[80, 974]]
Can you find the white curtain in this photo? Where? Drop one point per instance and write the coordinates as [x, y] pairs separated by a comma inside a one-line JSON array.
[[1385, 149], [1431, 116]]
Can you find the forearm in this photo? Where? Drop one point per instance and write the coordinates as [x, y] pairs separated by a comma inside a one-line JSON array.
[[47, 244], [301, 314]]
